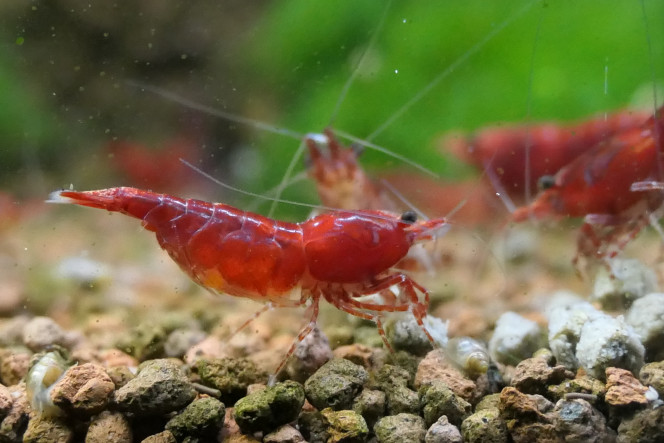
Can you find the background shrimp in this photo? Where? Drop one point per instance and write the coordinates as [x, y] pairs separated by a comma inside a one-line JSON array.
[[600, 186], [502, 151]]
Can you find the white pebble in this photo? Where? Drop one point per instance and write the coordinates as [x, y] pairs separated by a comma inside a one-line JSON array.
[[628, 280], [646, 316], [565, 324], [609, 342], [514, 339]]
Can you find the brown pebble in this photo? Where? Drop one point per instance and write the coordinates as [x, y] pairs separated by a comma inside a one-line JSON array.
[[84, 389], [534, 375], [109, 426], [210, 347], [517, 405], [12, 296], [120, 375], [111, 358], [162, 437], [529, 417], [14, 367], [6, 401], [11, 330], [230, 427], [15, 419], [435, 367], [357, 353], [284, 434], [41, 332], [623, 389]]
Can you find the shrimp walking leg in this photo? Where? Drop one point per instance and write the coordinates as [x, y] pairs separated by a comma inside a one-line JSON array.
[[407, 300], [303, 332]]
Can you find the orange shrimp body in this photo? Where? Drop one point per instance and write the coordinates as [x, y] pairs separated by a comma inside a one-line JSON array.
[[598, 185], [341, 256]]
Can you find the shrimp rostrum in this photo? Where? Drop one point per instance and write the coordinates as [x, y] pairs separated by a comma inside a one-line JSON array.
[[344, 257]]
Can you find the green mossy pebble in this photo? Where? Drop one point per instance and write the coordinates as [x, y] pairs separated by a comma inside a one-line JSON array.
[[335, 384], [484, 426], [269, 408], [345, 426], [584, 384], [400, 428], [160, 387], [406, 361], [47, 430], [144, 341], [437, 399], [488, 402], [370, 404], [405, 334], [231, 376], [394, 382], [202, 419]]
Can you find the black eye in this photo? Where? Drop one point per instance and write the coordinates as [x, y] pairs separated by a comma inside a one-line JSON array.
[[409, 217], [546, 182]]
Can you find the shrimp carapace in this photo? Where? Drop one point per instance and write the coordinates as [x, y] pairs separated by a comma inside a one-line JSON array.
[[342, 256]]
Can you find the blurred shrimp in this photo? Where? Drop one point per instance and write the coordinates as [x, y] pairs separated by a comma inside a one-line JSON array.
[[615, 186], [518, 155]]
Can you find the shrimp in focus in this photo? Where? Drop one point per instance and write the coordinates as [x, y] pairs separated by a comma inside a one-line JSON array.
[[502, 150], [342, 256], [607, 186]]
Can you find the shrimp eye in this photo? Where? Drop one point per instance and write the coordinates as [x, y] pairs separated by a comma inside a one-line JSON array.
[[409, 217], [546, 182]]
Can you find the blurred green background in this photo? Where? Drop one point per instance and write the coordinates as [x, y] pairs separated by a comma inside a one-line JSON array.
[[65, 64]]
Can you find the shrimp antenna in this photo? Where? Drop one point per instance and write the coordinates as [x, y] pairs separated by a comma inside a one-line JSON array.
[[499, 188], [659, 137], [472, 51], [168, 95], [249, 193], [529, 105], [287, 175], [279, 200], [403, 199], [387, 152], [335, 112], [351, 79]]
